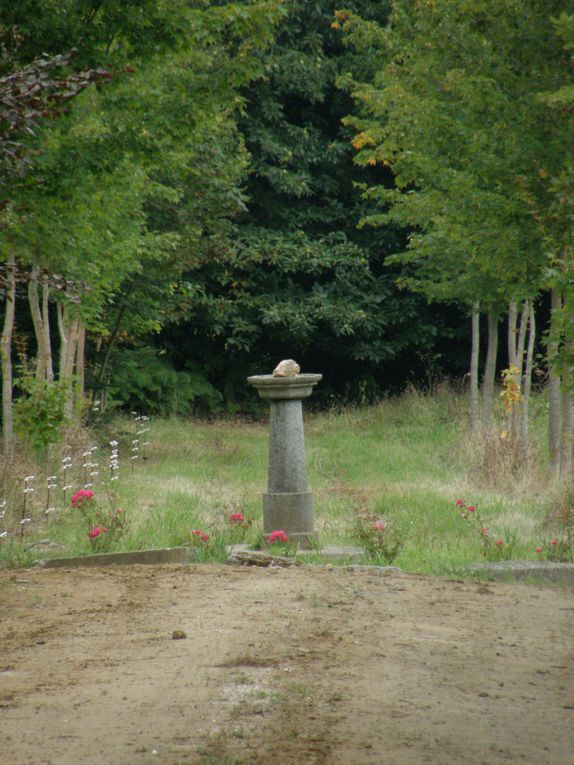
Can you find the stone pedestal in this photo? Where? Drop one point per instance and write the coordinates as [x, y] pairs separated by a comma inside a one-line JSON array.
[[288, 502]]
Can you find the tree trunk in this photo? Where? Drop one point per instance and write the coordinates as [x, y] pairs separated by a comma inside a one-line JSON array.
[[81, 359], [102, 381], [44, 366], [554, 397], [46, 328], [567, 434], [474, 354], [6, 356], [519, 364], [72, 348], [527, 379], [521, 341], [489, 370], [512, 318], [69, 338], [64, 339]]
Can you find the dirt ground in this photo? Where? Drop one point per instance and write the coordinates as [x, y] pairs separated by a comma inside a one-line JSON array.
[[221, 665]]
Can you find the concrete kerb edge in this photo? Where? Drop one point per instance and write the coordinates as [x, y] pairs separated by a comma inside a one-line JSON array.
[[182, 555], [543, 572], [353, 557], [137, 557]]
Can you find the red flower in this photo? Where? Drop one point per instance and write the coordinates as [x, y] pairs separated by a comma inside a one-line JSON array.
[[471, 508], [277, 536], [95, 532], [484, 532], [236, 518], [80, 496], [379, 525], [553, 541], [499, 542], [459, 503], [538, 550], [204, 537]]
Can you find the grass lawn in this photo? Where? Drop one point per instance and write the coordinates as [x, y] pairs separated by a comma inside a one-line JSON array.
[[403, 462]]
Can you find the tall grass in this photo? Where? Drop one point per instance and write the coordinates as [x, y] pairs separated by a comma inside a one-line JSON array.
[[405, 460]]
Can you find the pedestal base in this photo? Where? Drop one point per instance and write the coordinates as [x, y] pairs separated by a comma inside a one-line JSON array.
[[293, 513]]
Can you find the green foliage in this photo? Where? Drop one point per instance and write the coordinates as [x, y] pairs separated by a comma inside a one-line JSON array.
[[147, 381], [139, 180], [299, 279], [496, 544], [403, 462], [211, 549], [382, 540], [453, 109], [14, 555], [39, 412], [556, 220]]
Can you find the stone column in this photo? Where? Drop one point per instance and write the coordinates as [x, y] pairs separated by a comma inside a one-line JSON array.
[[288, 502]]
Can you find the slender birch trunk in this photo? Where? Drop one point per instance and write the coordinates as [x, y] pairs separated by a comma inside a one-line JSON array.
[[527, 379], [567, 434], [46, 328], [554, 382], [522, 331], [101, 387], [6, 356], [34, 302], [69, 329], [474, 354], [519, 365], [39, 309], [64, 339], [81, 360], [511, 340], [488, 379]]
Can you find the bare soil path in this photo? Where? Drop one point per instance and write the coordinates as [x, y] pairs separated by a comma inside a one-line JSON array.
[[283, 667]]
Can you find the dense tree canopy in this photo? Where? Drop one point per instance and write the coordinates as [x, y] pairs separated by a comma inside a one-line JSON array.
[[457, 108], [300, 279], [206, 187]]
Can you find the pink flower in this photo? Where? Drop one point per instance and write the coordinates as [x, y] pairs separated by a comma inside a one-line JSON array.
[[236, 518], [204, 537], [553, 541], [95, 532], [484, 532], [459, 503], [80, 496], [379, 525], [471, 508], [499, 542], [538, 550], [277, 536]]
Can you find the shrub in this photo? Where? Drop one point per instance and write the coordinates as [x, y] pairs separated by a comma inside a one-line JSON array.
[[39, 413]]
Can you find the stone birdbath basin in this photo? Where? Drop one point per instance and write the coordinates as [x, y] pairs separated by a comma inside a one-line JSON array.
[[288, 501]]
